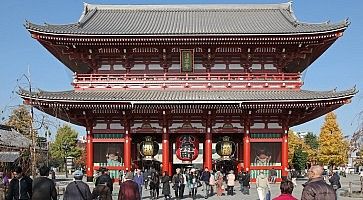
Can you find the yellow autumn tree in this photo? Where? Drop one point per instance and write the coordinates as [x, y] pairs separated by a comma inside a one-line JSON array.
[[295, 142], [333, 148]]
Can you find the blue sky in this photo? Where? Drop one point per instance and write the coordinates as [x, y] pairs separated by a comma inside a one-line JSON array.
[[340, 67]]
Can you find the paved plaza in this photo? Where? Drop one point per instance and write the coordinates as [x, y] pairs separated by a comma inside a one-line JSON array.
[[275, 191]]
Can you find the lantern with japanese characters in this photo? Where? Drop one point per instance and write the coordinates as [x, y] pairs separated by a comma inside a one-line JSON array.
[[148, 148], [225, 148], [187, 148]]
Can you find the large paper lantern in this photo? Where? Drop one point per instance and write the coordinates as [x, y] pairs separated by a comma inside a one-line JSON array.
[[187, 148], [149, 148], [225, 148]]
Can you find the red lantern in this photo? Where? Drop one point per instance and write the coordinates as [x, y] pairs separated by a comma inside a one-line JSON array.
[[187, 148]]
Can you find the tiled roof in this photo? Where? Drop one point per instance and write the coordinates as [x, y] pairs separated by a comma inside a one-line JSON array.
[[9, 137], [180, 96], [207, 19], [9, 156]]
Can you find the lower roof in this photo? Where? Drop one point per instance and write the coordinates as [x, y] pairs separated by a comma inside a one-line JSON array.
[[186, 96]]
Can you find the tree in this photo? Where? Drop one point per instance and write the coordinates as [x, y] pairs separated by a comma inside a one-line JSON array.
[[312, 140], [294, 142], [20, 120], [300, 158], [65, 144], [333, 149]]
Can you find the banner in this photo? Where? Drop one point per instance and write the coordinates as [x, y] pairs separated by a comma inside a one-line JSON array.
[[187, 60]]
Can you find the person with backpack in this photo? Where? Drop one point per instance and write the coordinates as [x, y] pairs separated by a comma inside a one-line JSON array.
[[105, 178], [77, 189], [177, 181], [43, 187], [20, 186]]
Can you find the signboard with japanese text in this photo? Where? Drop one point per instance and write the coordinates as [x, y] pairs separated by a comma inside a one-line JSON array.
[[186, 60]]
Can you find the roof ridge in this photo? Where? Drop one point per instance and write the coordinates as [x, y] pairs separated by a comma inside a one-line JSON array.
[[89, 7]]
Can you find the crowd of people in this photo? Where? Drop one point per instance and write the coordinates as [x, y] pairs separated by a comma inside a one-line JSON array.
[[197, 183]]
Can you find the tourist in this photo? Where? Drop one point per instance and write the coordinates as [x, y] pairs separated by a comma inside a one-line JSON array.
[[129, 190], [245, 185], [286, 188], [77, 189], [262, 185], [139, 179], [230, 182], [183, 184], [146, 175], [316, 188], [204, 178], [177, 180], [219, 183], [273, 175], [43, 187], [105, 178], [212, 182], [294, 175], [154, 185], [102, 192], [194, 182], [166, 185], [335, 181], [20, 186]]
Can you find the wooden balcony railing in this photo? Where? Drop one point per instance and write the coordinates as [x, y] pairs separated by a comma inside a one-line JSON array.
[[195, 81]]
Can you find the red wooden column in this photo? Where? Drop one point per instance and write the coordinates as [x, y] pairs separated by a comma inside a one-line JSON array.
[[284, 151], [246, 147], [166, 150], [89, 151], [208, 149], [127, 147], [240, 156]]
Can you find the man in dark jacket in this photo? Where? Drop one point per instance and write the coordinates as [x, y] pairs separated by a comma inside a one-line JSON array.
[[43, 187], [105, 178], [77, 190], [205, 181], [20, 186], [335, 181], [316, 188], [245, 183], [129, 190]]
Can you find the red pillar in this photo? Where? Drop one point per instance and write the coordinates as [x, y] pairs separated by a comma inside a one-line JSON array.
[[240, 156], [208, 149], [127, 148], [284, 151], [246, 148], [166, 150], [89, 151]]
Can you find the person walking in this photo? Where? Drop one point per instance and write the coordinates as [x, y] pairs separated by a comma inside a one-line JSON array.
[[177, 180], [20, 186], [204, 178], [139, 179], [245, 185], [273, 175], [193, 182], [105, 179], [316, 188], [230, 182], [286, 188], [77, 189], [219, 183], [212, 182], [154, 185], [146, 175], [263, 186], [43, 187], [335, 181], [102, 192], [294, 176], [129, 190], [166, 185]]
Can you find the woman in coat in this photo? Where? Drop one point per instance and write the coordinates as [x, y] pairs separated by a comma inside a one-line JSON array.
[[219, 183], [230, 182], [166, 185]]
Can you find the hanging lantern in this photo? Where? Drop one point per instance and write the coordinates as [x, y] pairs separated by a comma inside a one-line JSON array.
[[225, 148], [149, 148], [187, 148]]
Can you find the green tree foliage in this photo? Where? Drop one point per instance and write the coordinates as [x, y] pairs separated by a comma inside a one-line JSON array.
[[333, 148], [312, 140], [294, 142], [20, 119], [300, 158], [65, 144]]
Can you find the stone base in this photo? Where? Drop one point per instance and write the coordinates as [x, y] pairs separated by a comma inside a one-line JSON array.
[[89, 178]]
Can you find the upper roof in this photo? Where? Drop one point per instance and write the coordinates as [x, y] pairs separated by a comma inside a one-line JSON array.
[[203, 19], [9, 137]]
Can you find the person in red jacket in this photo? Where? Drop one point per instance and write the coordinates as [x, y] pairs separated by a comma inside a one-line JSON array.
[[129, 190], [286, 188]]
